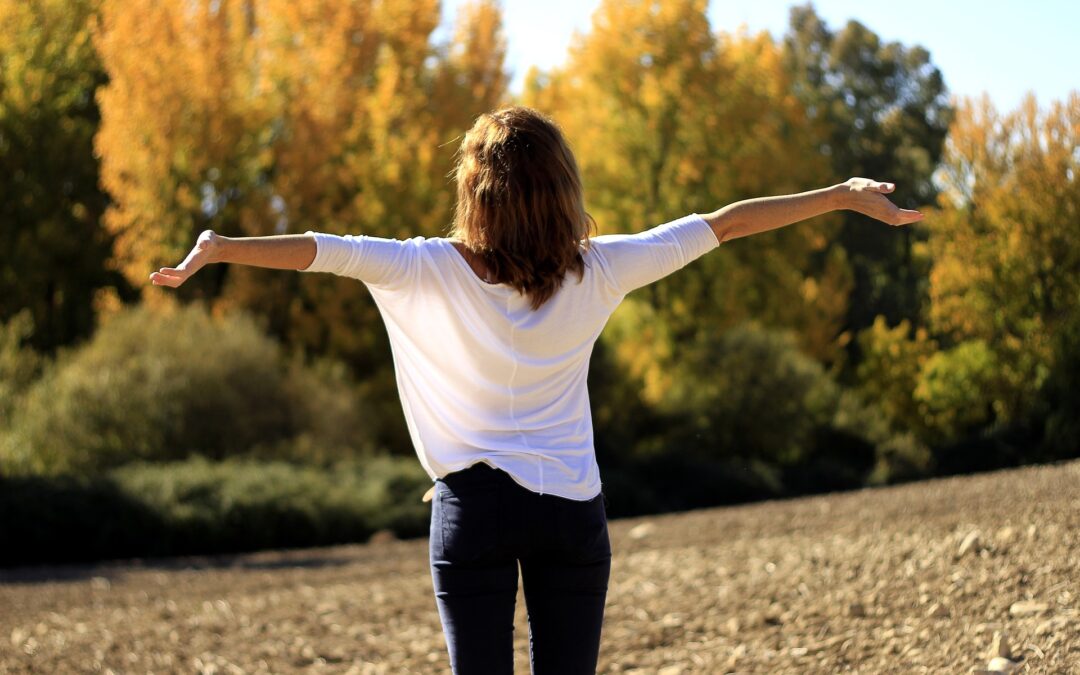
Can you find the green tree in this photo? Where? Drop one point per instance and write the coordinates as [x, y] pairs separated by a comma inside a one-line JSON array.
[[50, 203], [885, 112]]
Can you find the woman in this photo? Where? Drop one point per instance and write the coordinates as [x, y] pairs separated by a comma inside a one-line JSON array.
[[491, 330]]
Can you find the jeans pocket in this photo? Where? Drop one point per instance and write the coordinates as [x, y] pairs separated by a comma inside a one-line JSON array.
[[468, 523], [585, 530]]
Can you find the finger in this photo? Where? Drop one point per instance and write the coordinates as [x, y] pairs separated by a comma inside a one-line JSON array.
[[905, 216], [160, 279]]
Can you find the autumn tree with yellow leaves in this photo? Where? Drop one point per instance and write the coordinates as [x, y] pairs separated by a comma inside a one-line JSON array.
[[260, 118], [1004, 284], [667, 118], [279, 117], [1005, 246]]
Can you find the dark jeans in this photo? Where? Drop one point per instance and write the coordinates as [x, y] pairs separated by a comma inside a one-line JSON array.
[[483, 524]]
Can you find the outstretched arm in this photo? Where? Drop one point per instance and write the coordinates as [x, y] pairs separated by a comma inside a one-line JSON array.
[[752, 216], [283, 252]]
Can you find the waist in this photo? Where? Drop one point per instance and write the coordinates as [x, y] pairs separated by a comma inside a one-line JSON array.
[[486, 473]]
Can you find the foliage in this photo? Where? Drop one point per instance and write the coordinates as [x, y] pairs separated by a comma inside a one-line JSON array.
[[325, 115], [940, 395], [748, 392], [901, 458], [201, 507], [744, 415], [1005, 249], [890, 369], [884, 112], [159, 385], [303, 116], [956, 390], [20, 364], [54, 247], [667, 118], [1058, 408]]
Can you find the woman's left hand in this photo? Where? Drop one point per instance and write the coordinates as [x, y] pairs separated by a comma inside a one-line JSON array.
[[868, 197]]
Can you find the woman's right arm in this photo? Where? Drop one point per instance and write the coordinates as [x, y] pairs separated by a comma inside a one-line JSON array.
[[282, 252]]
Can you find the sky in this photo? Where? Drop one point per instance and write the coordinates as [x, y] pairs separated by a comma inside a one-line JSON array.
[[1002, 47]]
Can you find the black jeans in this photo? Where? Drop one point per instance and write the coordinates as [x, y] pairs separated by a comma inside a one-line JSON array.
[[483, 524]]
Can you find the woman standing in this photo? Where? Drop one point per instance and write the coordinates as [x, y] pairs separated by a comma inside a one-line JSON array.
[[491, 331]]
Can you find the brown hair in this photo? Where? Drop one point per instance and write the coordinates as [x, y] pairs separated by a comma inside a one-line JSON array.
[[520, 206]]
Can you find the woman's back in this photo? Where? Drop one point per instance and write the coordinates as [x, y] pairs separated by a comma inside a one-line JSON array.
[[483, 376]]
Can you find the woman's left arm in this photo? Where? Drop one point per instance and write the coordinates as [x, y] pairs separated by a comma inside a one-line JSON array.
[[752, 216]]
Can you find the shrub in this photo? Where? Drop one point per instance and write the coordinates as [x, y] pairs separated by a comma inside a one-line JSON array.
[[164, 385], [19, 363], [889, 370], [901, 458], [201, 507], [748, 393], [72, 519], [956, 391], [1059, 399]]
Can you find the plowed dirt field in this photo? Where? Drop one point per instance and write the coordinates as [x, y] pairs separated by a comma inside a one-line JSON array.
[[910, 579]]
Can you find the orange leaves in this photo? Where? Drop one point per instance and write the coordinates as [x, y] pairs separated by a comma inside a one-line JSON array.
[[1004, 243], [667, 118], [284, 116]]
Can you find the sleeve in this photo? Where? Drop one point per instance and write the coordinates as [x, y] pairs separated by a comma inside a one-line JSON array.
[[385, 263], [630, 261]]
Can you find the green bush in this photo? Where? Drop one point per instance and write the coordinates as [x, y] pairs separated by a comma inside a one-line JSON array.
[[901, 458], [64, 519], [956, 391], [20, 365], [201, 507], [748, 392], [747, 416], [1059, 400], [153, 385], [889, 369]]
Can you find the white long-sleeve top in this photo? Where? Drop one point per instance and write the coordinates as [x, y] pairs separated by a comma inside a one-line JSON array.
[[482, 377]]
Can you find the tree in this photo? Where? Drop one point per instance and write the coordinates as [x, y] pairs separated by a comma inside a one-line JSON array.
[[283, 116], [667, 118], [50, 203], [255, 119], [885, 113], [1005, 247]]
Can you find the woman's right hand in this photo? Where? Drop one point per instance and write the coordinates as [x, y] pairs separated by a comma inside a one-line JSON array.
[[868, 198], [207, 250]]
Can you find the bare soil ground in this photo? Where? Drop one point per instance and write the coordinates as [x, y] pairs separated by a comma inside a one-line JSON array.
[[911, 579]]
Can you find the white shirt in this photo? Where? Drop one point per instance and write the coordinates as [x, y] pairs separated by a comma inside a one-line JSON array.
[[482, 377]]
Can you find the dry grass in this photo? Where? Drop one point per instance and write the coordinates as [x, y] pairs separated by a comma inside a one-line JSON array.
[[869, 582]]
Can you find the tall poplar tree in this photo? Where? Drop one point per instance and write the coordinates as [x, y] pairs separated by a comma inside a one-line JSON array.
[[281, 117]]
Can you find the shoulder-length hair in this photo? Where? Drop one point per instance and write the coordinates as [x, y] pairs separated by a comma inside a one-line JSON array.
[[520, 206]]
